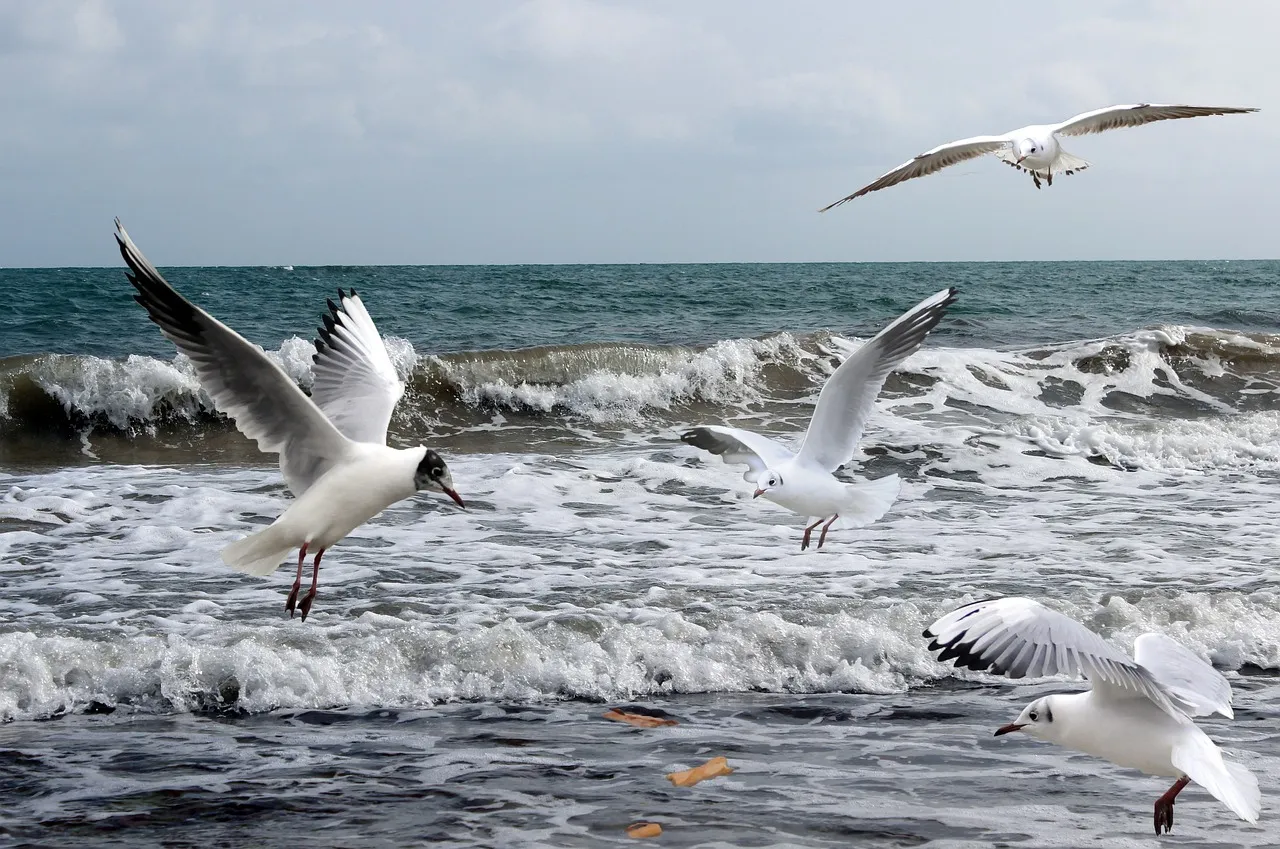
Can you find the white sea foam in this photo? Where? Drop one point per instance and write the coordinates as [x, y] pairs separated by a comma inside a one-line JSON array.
[[603, 575]]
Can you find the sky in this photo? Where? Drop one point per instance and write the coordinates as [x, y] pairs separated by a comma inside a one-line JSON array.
[[314, 132]]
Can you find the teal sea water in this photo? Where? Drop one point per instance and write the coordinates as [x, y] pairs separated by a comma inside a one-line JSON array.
[[1101, 436], [478, 308]]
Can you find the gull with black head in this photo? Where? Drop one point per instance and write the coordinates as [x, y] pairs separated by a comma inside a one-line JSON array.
[[332, 445], [1139, 713]]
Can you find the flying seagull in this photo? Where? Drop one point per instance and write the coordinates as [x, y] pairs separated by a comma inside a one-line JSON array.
[[332, 446], [1139, 713], [1036, 149], [803, 481]]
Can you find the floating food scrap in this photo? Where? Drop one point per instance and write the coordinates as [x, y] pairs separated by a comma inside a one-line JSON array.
[[644, 829], [639, 720], [713, 768]]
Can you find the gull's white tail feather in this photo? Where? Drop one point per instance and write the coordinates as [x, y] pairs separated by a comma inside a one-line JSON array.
[[1231, 784], [1066, 163], [869, 500], [259, 554]]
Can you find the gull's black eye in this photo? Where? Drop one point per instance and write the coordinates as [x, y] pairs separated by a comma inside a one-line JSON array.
[[1032, 716]]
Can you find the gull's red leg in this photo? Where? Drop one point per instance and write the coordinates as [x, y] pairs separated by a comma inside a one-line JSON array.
[[804, 543], [1164, 805], [297, 583], [305, 607], [822, 537]]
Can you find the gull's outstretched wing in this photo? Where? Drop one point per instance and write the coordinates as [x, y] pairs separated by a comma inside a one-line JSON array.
[[929, 162], [1135, 115], [849, 395], [1017, 637], [739, 446], [1185, 675], [356, 386], [243, 381]]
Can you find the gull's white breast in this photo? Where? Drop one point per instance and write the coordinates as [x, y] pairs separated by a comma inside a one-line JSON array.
[[1132, 733], [809, 493], [352, 493]]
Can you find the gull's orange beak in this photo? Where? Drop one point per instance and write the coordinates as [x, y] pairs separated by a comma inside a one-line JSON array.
[[457, 498], [1005, 729], [1020, 158], [758, 493]]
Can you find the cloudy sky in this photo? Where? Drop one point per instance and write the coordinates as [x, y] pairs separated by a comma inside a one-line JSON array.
[[324, 131]]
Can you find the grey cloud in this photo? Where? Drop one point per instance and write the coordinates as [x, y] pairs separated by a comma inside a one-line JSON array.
[[586, 130]]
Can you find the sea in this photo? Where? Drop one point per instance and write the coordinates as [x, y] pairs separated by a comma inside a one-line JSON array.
[[1101, 436]]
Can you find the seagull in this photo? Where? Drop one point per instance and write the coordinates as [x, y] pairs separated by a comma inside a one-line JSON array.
[[1036, 149], [1139, 713], [803, 482], [332, 446]]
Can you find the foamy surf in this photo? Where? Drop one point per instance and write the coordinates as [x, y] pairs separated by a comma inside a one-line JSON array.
[[555, 586]]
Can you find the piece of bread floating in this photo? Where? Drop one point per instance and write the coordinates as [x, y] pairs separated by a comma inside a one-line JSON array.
[[639, 720], [713, 768], [644, 829]]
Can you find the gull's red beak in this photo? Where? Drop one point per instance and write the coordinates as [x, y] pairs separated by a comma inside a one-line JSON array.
[[457, 498], [1020, 158], [1005, 729], [758, 493]]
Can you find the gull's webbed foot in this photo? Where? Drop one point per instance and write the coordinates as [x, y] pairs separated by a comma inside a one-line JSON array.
[[822, 537], [808, 532], [305, 607], [1164, 806]]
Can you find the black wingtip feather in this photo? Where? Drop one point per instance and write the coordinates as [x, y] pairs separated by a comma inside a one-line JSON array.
[[704, 439], [327, 338]]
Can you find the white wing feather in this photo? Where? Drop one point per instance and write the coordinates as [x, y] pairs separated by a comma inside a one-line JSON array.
[[356, 385], [849, 395], [267, 406], [928, 162], [1185, 675], [1137, 114], [1018, 637], [739, 446]]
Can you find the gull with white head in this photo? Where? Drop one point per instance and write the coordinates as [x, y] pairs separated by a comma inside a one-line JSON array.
[[1139, 712], [1036, 149], [803, 481], [332, 446]]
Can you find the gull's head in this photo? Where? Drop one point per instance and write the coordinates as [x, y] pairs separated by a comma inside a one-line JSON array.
[[767, 481], [433, 476], [1036, 719], [1022, 148]]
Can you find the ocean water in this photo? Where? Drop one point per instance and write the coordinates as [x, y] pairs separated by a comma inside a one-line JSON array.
[[1104, 437]]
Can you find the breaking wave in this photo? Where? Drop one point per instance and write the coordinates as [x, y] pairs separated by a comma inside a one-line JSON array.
[[1168, 396], [382, 660]]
